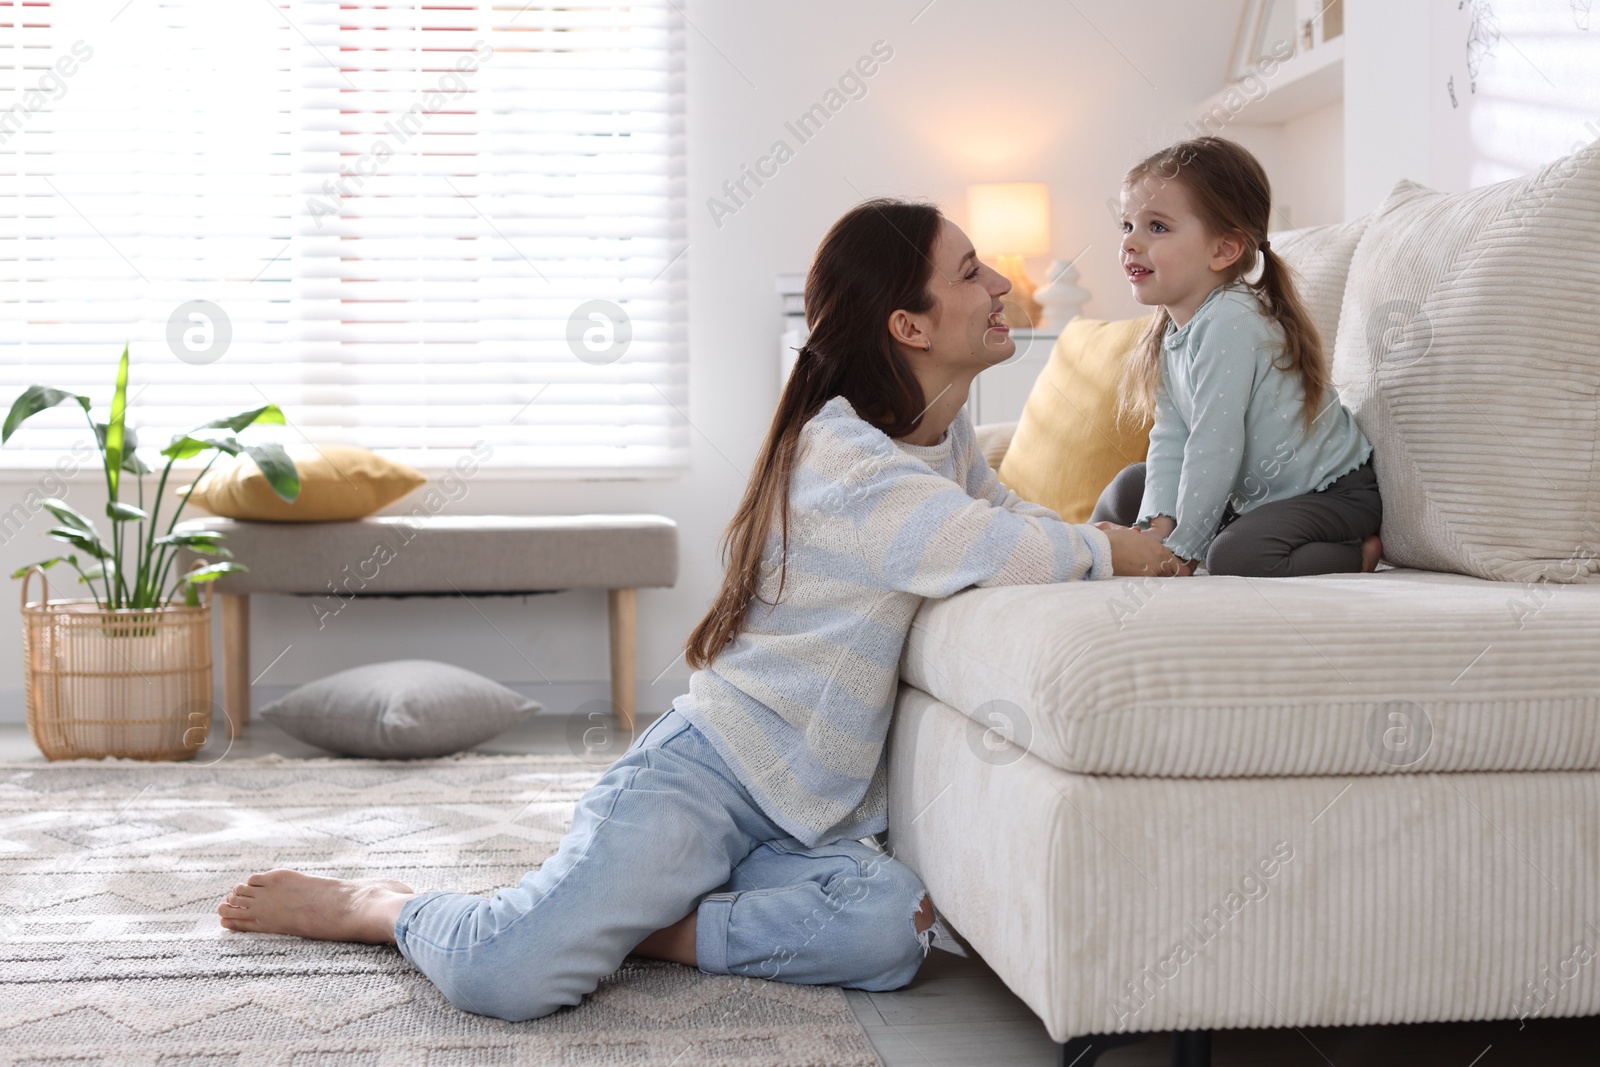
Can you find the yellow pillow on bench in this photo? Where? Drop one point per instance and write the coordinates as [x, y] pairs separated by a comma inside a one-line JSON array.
[[337, 483], [1069, 444]]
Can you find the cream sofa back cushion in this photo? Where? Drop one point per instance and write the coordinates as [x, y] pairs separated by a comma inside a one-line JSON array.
[[1469, 351], [1320, 257]]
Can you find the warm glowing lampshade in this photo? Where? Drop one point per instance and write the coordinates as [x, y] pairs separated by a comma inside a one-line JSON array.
[[1006, 221], [1009, 218]]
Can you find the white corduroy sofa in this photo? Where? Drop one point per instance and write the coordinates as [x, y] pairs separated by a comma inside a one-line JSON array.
[[1216, 802]]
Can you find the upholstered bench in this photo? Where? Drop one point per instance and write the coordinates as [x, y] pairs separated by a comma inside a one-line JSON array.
[[469, 555]]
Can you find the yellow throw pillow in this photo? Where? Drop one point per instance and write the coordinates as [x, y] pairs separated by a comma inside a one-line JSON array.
[[1069, 444], [337, 483]]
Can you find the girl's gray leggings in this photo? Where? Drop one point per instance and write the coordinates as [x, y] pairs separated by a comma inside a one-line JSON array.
[[1314, 533]]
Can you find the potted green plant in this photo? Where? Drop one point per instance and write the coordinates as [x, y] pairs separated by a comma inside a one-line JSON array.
[[127, 672]]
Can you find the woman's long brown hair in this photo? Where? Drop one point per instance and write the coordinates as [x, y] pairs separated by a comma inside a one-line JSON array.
[[876, 260], [1231, 194]]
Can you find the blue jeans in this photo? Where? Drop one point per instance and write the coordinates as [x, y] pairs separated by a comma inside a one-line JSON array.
[[668, 830]]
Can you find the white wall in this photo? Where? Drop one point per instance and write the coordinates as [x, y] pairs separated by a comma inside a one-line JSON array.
[[1310, 179], [972, 93], [1304, 159], [1414, 109]]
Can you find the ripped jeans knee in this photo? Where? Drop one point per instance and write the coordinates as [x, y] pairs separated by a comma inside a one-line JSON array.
[[837, 914]]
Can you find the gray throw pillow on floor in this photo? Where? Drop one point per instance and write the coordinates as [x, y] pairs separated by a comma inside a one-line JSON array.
[[406, 709]]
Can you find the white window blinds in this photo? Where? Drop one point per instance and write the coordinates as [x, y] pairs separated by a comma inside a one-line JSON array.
[[415, 227]]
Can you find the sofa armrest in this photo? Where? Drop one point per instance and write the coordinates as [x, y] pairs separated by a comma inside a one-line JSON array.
[[994, 438]]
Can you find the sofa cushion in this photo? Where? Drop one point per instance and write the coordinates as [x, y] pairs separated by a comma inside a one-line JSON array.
[[1467, 351], [338, 483], [405, 709], [1069, 443], [1401, 670], [1320, 257]]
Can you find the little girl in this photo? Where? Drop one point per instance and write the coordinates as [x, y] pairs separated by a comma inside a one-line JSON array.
[[1255, 467]]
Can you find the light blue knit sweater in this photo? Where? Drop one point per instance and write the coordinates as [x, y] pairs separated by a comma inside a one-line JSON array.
[[798, 705]]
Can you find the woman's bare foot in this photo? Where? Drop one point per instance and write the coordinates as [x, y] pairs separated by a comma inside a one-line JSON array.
[[328, 909], [1371, 552]]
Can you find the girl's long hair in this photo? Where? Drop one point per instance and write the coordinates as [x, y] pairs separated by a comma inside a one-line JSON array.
[[875, 260], [1230, 193]]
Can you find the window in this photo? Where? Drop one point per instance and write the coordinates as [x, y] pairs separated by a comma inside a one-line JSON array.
[[416, 228]]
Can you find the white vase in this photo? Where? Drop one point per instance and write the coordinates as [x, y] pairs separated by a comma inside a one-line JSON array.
[[1060, 297]]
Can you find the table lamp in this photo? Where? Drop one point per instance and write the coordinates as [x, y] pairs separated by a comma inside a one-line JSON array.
[[1007, 221]]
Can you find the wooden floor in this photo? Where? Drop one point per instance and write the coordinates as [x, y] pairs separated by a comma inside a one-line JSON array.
[[957, 1012]]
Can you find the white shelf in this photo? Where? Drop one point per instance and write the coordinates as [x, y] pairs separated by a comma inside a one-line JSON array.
[[1302, 84]]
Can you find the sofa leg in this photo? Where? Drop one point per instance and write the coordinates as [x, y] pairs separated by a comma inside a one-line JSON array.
[[1083, 1051], [1191, 1048]]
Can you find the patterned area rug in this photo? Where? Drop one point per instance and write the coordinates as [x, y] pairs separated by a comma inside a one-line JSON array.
[[111, 955]]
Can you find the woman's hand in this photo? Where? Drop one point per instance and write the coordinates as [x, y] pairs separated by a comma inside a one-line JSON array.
[[1170, 566], [1135, 552]]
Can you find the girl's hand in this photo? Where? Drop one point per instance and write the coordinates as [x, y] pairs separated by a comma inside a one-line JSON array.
[[1133, 552], [1154, 534], [1162, 525]]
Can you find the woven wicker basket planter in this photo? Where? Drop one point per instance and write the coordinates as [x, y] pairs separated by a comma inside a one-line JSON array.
[[133, 683]]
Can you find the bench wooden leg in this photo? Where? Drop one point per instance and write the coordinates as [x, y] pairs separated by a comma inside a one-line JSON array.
[[235, 660], [624, 610]]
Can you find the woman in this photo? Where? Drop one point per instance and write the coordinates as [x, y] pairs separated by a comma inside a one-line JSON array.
[[727, 836]]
